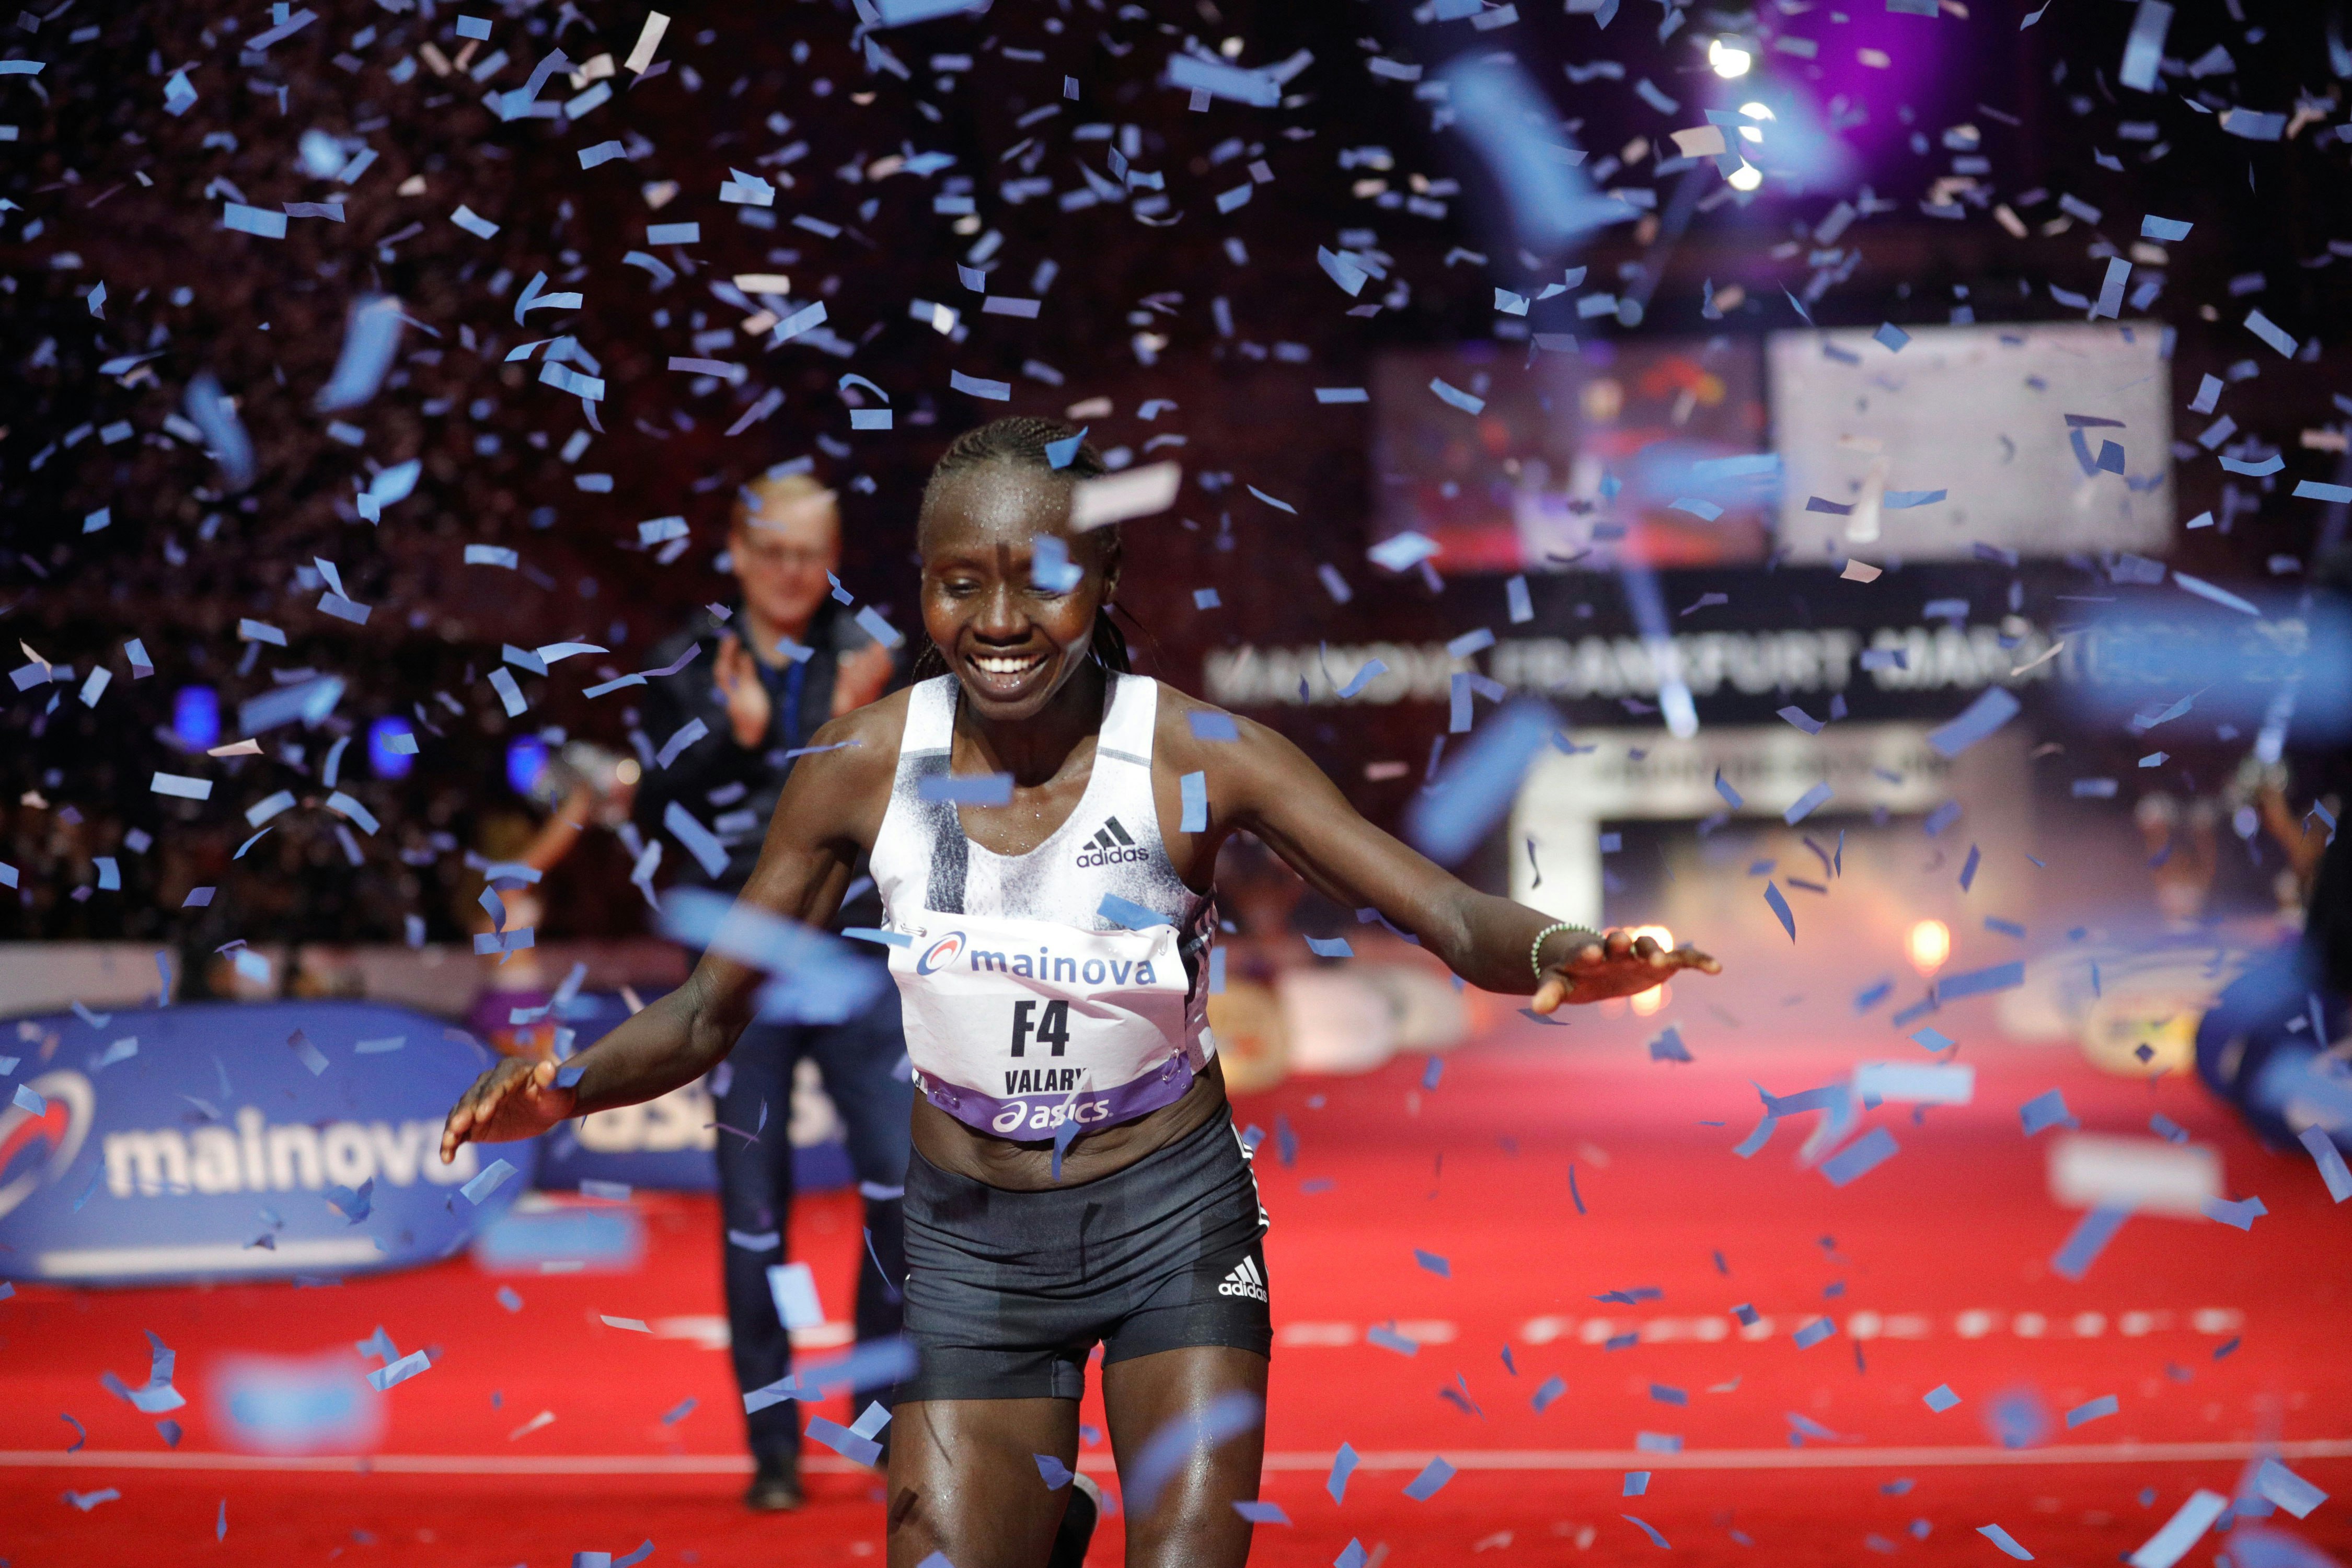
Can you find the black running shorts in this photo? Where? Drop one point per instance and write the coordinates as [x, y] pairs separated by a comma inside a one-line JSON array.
[[1007, 1293]]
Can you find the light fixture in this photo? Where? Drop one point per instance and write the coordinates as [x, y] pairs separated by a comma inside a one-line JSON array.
[[1930, 943], [1746, 177], [1648, 1002], [391, 748], [1756, 111], [1750, 133], [195, 717], [1728, 60], [526, 758]]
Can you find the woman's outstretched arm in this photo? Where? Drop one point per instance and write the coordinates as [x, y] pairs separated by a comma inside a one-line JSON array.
[[826, 815], [1263, 784]]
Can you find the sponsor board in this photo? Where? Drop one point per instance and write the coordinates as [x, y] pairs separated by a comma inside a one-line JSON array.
[[237, 1140]]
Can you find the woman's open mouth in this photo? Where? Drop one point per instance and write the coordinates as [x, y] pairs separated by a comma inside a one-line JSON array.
[[1004, 675]]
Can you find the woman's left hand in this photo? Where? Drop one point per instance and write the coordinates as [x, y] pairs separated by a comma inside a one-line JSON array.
[[1615, 963]]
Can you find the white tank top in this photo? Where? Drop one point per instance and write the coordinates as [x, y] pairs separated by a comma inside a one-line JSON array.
[[1027, 1007]]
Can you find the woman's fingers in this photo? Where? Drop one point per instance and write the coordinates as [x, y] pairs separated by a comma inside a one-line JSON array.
[[459, 1122], [1613, 964], [479, 1102], [473, 1110]]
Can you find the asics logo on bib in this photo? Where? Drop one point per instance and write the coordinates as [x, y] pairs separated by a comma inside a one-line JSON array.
[[941, 953], [1110, 845], [1046, 1118], [1244, 1280]]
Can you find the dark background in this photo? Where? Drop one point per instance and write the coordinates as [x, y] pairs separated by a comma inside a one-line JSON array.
[[124, 192]]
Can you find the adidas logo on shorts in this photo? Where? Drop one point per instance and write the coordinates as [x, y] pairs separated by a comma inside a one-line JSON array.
[[1110, 845], [1244, 1280]]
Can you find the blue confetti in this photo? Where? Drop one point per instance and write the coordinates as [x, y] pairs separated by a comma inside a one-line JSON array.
[[1649, 1529], [1432, 1478], [2007, 1542]]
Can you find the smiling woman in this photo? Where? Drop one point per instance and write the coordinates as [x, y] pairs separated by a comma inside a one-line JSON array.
[[1043, 827], [1035, 444]]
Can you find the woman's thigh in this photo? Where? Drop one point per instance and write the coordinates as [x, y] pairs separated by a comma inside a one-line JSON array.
[[1189, 1428], [964, 1481]]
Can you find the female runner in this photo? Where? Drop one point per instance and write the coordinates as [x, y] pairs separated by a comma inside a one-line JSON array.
[[1076, 1177]]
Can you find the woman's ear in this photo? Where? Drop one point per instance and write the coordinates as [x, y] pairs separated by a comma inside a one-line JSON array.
[[1111, 558]]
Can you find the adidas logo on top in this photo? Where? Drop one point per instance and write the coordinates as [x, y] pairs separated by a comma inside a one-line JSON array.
[[1244, 1279], [1110, 845]]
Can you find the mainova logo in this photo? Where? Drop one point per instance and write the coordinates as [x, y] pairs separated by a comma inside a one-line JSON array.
[[941, 953], [35, 1150], [252, 1155]]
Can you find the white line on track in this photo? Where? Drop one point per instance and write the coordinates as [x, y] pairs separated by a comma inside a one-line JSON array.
[[1811, 1457]]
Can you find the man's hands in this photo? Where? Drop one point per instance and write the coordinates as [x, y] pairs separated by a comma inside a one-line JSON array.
[[1616, 964], [740, 688], [516, 1098], [860, 677]]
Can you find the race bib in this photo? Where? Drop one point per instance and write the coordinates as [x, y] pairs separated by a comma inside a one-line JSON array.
[[1017, 1028]]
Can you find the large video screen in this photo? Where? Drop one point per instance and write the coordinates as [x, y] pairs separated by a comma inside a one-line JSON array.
[[1998, 434], [1577, 461]]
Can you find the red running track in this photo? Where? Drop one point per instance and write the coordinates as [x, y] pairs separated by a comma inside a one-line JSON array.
[[1934, 1269]]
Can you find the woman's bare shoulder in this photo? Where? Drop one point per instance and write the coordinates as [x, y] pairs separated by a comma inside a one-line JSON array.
[[1192, 732], [861, 747]]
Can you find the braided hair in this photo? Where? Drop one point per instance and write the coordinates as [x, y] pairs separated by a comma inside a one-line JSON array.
[[1021, 439]]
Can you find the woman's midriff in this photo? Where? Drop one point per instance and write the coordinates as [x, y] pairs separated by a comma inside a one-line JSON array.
[[1028, 1167]]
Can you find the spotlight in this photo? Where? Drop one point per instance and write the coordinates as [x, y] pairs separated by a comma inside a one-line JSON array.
[[526, 756], [1726, 60], [1746, 177], [1930, 943], [195, 717], [391, 748], [1648, 1002], [1756, 111]]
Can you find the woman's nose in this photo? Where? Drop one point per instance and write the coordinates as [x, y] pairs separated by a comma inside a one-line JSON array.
[[1000, 618]]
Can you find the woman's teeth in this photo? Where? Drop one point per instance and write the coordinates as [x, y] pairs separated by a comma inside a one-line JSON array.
[[1009, 666]]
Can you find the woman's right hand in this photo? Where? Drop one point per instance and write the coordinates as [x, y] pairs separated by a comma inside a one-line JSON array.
[[518, 1098]]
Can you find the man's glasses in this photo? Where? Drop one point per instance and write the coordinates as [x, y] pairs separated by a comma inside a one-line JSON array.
[[776, 557]]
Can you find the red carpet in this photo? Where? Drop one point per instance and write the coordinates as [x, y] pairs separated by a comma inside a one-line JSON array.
[[1940, 1259]]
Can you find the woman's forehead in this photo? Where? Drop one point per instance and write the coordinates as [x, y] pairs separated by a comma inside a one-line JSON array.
[[994, 504]]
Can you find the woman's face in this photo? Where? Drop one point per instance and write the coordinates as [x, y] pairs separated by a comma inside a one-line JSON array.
[[1010, 642]]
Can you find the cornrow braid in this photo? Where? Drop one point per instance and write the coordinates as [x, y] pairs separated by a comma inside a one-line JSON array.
[[1021, 439], [1017, 439]]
